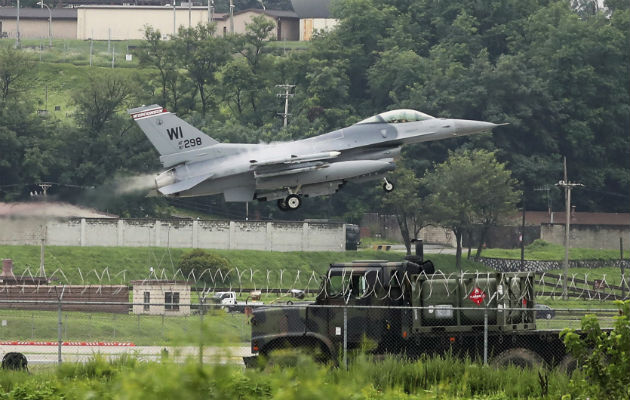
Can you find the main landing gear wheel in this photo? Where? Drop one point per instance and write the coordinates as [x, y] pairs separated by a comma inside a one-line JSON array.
[[388, 186], [282, 205], [293, 202]]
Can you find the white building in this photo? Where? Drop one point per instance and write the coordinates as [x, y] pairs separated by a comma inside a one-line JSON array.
[[161, 297], [314, 16]]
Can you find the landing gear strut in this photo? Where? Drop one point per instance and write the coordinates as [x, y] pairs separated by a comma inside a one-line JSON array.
[[282, 205], [290, 203], [388, 186]]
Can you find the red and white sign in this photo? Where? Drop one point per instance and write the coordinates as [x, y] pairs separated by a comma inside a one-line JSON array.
[[35, 343], [477, 296]]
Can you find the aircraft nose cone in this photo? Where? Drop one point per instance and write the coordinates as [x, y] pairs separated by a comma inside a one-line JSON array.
[[467, 127]]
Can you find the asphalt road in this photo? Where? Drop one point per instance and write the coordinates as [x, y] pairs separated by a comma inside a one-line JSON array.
[[48, 354]]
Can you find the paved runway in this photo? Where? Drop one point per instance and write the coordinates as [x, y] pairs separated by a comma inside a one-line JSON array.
[[48, 354]]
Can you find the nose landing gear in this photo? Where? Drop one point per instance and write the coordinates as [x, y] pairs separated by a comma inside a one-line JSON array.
[[388, 186]]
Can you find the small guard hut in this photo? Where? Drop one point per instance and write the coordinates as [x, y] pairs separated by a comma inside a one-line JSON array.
[[161, 297]]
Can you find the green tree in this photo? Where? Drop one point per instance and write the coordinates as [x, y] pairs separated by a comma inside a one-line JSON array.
[[202, 55], [469, 187], [158, 53], [15, 71], [405, 202], [204, 267], [105, 94]]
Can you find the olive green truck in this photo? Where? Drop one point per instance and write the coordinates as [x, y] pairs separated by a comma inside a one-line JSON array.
[[404, 308]]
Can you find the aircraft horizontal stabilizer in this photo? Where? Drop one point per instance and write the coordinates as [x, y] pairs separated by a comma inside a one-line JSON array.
[[183, 185]]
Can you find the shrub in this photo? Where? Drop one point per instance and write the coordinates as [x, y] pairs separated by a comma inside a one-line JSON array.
[[603, 356], [205, 267]]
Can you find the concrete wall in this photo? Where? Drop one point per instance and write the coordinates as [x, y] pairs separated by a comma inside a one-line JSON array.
[[251, 235], [308, 26], [38, 28], [128, 22], [511, 265], [587, 236], [386, 227]]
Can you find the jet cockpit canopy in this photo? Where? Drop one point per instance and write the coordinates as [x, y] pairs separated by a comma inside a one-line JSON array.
[[396, 117]]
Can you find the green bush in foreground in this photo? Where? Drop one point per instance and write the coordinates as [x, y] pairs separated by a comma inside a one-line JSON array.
[[366, 378], [604, 357]]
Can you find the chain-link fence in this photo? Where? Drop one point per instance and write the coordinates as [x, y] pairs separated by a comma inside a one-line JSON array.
[[215, 333], [522, 336], [370, 307]]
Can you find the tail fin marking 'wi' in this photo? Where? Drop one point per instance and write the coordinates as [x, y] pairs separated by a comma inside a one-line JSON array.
[[168, 133]]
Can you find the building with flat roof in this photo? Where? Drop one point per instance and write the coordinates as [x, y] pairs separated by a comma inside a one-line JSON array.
[[34, 23], [314, 16], [114, 22], [161, 297], [129, 22]]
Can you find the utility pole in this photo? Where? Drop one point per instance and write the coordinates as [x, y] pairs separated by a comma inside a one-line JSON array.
[[232, 17], [17, 25], [44, 186], [42, 271], [287, 93], [210, 11], [523, 236], [568, 186]]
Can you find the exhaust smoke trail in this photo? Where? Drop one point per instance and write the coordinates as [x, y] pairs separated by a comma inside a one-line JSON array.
[[132, 184]]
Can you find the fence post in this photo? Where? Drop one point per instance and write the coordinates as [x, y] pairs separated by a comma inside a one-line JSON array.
[[201, 312], [485, 336], [59, 329], [345, 337], [623, 269]]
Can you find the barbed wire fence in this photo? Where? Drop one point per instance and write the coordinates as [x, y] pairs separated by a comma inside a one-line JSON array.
[[58, 320]]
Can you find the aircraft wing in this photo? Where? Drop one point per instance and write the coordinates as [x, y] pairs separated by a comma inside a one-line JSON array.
[[183, 184]]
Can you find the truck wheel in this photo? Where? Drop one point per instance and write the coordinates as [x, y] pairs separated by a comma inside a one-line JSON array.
[[568, 364], [519, 357], [14, 361]]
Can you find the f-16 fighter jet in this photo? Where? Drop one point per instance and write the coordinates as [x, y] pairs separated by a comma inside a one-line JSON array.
[[198, 165]]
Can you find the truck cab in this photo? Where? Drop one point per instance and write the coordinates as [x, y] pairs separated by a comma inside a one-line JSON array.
[[399, 308]]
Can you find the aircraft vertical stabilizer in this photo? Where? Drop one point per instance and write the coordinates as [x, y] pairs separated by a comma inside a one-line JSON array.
[[168, 133]]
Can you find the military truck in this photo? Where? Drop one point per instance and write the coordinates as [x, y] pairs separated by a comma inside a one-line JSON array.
[[405, 308]]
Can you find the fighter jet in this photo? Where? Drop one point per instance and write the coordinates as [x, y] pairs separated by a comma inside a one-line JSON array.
[[198, 165]]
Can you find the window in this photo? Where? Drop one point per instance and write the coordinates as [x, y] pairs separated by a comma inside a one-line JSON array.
[[147, 301], [171, 300], [396, 117]]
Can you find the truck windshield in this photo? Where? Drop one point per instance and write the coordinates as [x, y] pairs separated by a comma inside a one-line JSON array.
[[357, 284]]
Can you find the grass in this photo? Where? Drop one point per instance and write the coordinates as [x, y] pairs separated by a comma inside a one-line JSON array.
[[391, 378], [368, 242], [116, 265], [65, 67], [220, 328], [77, 52], [541, 250]]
